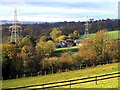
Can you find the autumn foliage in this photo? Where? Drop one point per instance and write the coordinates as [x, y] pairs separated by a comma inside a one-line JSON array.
[[32, 57], [100, 49]]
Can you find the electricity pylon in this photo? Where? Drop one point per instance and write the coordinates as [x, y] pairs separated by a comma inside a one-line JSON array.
[[86, 27], [15, 29]]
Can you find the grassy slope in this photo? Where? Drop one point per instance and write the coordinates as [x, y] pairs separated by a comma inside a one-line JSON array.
[[59, 51], [109, 83], [67, 48], [109, 68], [114, 34]]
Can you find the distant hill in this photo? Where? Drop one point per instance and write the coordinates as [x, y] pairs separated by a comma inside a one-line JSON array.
[[22, 22], [43, 28]]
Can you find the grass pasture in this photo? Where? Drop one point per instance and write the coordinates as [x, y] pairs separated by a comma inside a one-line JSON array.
[[98, 70], [59, 51], [113, 34], [109, 83]]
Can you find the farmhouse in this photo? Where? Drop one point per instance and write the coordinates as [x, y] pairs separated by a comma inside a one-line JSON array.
[[69, 43]]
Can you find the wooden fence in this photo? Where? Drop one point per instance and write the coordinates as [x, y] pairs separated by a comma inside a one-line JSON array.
[[68, 82]]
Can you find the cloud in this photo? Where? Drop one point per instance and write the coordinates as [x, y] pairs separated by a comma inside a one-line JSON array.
[[52, 10]]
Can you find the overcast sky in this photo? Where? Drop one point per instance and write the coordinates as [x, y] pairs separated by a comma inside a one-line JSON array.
[[58, 10]]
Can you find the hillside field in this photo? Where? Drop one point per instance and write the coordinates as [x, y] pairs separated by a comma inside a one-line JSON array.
[[114, 34], [59, 51], [98, 70]]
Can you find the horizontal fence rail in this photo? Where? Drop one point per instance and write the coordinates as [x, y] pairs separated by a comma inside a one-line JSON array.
[[68, 82]]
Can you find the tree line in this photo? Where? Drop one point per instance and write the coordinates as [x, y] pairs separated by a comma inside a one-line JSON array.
[[66, 27]]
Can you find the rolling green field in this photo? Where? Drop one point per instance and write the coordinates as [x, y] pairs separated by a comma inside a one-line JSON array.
[[98, 70], [59, 51], [67, 48], [114, 34], [109, 83]]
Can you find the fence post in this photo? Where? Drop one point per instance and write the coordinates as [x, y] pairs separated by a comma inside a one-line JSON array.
[[10, 76], [80, 66], [17, 76], [70, 84], [96, 80], [38, 73], [52, 69], [45, 73], [24, 75], [59, 71], [43, 86]]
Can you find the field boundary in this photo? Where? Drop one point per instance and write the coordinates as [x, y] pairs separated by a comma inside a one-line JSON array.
[[70, 82]]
